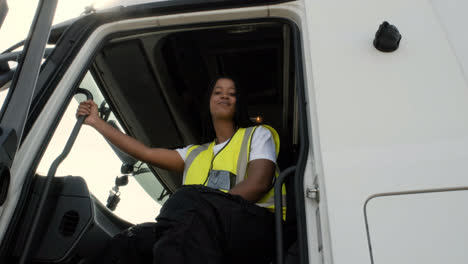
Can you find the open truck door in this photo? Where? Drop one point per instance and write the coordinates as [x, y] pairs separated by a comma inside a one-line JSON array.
[[15, 108]]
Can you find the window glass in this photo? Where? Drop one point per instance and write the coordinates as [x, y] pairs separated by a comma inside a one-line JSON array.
[[92, 158], [16, 25]]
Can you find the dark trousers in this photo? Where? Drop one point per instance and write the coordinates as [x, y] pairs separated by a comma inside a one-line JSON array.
[[198, 224]]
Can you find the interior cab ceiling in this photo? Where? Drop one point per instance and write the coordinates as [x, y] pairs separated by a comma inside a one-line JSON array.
[[156, 81]]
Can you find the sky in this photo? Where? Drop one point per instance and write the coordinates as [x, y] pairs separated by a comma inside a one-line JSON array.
[[91, 157], [21, 14]]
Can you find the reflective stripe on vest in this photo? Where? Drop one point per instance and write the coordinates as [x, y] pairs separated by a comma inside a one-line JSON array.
[[194, 151], [203, 167]]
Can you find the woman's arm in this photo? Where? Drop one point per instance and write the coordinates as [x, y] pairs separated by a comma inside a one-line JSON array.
[[260, 173], [261, 168], [163, 158]]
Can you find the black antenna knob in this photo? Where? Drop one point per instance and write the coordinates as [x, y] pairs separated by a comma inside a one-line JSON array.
[[387, 38]]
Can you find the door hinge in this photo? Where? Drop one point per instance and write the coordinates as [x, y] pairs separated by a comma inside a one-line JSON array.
[[313, 193]]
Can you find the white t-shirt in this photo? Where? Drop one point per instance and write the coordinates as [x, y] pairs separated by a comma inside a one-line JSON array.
[[262, 146]]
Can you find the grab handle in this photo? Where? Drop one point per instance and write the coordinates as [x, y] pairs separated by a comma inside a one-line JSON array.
[[50, 176], [279, 213]]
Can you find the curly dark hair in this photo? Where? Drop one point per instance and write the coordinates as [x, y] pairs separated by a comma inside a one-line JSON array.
[[241, 116]]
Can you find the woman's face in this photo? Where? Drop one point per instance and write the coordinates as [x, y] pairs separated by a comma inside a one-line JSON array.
[[223, 100]]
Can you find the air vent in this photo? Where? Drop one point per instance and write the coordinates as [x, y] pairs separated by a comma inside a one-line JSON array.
[[69, 223]]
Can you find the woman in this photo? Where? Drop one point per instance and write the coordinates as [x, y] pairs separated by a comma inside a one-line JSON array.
[[224, 223]]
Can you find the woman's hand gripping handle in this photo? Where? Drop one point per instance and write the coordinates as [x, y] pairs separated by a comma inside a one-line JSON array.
[[89, 109]]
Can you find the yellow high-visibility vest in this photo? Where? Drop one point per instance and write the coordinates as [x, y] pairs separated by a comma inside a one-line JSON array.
[[229, 166]]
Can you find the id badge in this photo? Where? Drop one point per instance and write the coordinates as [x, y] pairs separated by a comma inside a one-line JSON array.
[[219, 179]]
